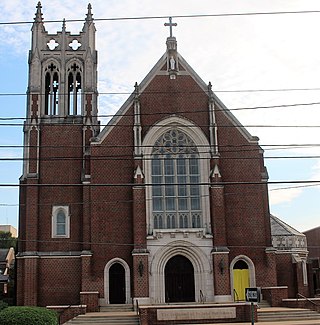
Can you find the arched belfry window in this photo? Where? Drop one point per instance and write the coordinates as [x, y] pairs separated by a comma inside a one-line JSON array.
[[74, 90], [51, 90], [176, 190]]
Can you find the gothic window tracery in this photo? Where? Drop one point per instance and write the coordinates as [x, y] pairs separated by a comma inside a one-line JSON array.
[[175, 172], [74, 90], [51, 90]]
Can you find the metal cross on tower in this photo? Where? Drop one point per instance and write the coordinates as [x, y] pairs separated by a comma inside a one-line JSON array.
[[170, 24]]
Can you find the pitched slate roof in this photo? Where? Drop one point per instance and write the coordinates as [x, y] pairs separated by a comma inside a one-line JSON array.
[[280, 228]]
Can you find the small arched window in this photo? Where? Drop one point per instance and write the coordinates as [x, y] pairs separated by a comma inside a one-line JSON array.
[[51, 90], [60, 222], [74, 90]]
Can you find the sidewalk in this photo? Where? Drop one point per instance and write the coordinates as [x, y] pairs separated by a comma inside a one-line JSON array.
[[298, 322], [290, 322]]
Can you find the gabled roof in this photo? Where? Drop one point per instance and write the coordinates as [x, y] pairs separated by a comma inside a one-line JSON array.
[[158, 70], [280, 228]]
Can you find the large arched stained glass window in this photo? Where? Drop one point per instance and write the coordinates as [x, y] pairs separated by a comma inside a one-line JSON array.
[[176, 197]]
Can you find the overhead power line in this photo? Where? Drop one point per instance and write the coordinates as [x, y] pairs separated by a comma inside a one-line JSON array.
[[128, 114], [187, 92], [226, 148], [226, 183], [177, 125], [123, 157], [132, 244], [239, 14], [92, 202]]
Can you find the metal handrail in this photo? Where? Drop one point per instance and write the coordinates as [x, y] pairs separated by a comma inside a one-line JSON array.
[[202, 299], [236, 294], [137, 307], [62, 312], [305, 298]]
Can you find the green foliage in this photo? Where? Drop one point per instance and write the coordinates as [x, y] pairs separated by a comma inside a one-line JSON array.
[[28, 316], [6, 240], [3, 305]]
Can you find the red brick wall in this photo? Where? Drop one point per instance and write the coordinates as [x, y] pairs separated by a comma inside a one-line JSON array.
[[275, 295], [313, 240], [59, 281], [286, 273], [91, 300], [221, 274], [140, 275], [61, 163]]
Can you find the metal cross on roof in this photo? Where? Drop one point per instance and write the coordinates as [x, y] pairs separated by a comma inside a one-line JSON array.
[[170, 24]]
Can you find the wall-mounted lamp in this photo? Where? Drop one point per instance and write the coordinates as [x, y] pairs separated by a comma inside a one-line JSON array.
[[221, 266], [140, 268]]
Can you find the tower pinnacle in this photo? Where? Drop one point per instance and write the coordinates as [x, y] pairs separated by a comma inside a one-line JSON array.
[[89, 14], [38, 17]]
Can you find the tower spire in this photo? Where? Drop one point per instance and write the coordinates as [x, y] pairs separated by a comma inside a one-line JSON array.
[[38, 18], [89, 14], [64, 25]]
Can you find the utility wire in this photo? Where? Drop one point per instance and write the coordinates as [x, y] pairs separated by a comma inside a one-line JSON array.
[[172, 16], [112, 243], [130, 158], [165, 125], [225, 148], [182, 92], [226, 183], [128, 114], [228, 194]]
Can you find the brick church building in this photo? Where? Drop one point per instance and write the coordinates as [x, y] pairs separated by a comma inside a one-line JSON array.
[[167, 203]]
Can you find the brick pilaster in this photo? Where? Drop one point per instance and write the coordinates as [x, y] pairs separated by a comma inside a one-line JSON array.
[[221, 274]]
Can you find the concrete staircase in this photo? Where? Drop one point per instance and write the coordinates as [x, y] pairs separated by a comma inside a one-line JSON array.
[[263, 304], [274, 314], [111, 314]]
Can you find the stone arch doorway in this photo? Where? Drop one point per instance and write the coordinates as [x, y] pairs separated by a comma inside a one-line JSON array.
[[117, 284], [179, 280], [241, 279]]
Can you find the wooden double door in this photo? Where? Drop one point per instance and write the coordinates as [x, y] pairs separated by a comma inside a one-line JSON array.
[[179, 280]]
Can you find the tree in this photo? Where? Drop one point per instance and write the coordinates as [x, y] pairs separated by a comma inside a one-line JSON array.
[[6, 240]]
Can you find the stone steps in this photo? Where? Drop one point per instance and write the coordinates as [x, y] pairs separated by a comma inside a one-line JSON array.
[[105, 318], [116, 308], [286, 314], [263, 304], [109, 314]]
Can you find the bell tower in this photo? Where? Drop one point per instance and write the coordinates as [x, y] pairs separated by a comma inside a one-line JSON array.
[[62, 87], [61, 120]]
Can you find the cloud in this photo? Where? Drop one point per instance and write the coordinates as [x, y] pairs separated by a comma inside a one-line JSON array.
[[285, 195]]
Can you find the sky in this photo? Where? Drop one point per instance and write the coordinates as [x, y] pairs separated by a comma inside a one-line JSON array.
[[264, 68]]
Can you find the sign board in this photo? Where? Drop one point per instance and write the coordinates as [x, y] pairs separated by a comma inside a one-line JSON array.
[[253, 294]]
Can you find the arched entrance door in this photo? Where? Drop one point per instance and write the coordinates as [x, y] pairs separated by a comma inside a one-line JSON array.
[[179, 280], [117, 284], [241, 279]]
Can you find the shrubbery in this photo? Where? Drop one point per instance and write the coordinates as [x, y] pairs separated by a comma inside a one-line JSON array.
[[3, 305], [28, 316]]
